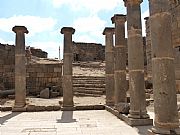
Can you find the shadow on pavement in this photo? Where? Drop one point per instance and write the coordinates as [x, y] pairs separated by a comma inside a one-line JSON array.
[[142, 130], [67, 117], [8, 116]]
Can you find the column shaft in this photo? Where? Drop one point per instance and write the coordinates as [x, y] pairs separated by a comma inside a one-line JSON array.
[[136, 60], [163, 70], [109, 56], [67, 67], [20, 68], [120, 59]]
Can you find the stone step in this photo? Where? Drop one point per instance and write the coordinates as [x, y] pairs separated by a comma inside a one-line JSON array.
[[90, 85], [88, 82], [88, 91], [88, 95], [88, 78]]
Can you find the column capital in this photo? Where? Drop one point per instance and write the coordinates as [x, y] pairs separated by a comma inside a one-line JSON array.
[[132, 2], [17, 29], [108, 30], [118, 18], [67, 30]]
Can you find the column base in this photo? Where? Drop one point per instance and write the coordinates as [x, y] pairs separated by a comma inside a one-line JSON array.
[[130, 121], [19, 109], [161, 131], [136, 116]]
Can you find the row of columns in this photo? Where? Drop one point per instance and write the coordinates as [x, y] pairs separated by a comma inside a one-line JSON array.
[[165, 100]]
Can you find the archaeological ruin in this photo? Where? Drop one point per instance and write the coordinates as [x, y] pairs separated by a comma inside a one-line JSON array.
[[120, 72]]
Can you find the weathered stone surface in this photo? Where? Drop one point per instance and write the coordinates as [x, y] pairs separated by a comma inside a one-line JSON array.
[[109, 55], [135, 61], [123, 108], [67, 67], [165, 100], [120, 58], [45, 93], [31, 108], [20, 68]]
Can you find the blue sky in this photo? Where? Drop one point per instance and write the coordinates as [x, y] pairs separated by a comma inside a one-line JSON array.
[[45, 18]]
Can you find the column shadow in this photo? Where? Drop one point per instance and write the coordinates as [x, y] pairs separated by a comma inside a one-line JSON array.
[[67, 117], [7, 117], [143, 130]]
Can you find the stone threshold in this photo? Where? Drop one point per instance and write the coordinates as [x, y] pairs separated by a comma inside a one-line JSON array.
[[33, 108], [129, 121]]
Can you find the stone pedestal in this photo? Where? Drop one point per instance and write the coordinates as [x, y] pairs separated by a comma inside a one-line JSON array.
[[67, 67], [109, 57], [120, 58], [20, 68], [136, 61], [163, 70]]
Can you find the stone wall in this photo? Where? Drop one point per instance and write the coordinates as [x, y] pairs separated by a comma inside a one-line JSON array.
[[38, 53], [88, 51], [39, 76]]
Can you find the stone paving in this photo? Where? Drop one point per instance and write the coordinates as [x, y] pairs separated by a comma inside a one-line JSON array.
[[97, 122]]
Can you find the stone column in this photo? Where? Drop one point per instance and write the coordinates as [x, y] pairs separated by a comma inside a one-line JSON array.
[[135, 60], [109, 57], [20, 68], [120, 59], [163, 70], [67, 67]]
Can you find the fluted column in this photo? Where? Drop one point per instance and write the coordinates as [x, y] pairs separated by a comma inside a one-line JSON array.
[[109, 57], [120, 58], [20, 68], [163, 70], [135, 60], [67, 67]]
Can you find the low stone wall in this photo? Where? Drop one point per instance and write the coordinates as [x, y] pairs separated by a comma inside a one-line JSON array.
[[40, 76]]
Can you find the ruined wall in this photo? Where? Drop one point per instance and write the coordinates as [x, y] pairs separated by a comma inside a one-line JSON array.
[[39, 76], [38, 53], [88, 51]]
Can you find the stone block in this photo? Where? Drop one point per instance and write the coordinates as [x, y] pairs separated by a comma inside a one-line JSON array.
[[49, 108], [57, 69], [5, 108], [45, 93], [123, 108], [56, 108], [31, 108], [40, 108]]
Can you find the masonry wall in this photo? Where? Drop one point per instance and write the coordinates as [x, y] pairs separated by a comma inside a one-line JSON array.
[[88, 51], [39, 76]]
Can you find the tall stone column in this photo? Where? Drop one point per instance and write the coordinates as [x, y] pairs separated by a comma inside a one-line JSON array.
[[120, 58], [135, 60], [67, 67], [20, 68], [163, 70], [109, 57]]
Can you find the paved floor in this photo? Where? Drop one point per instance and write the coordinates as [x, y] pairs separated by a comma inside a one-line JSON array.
[[93, 122]]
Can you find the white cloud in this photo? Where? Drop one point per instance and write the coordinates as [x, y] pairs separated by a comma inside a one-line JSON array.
[[91, 5], [92, 26], [34, 24]]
